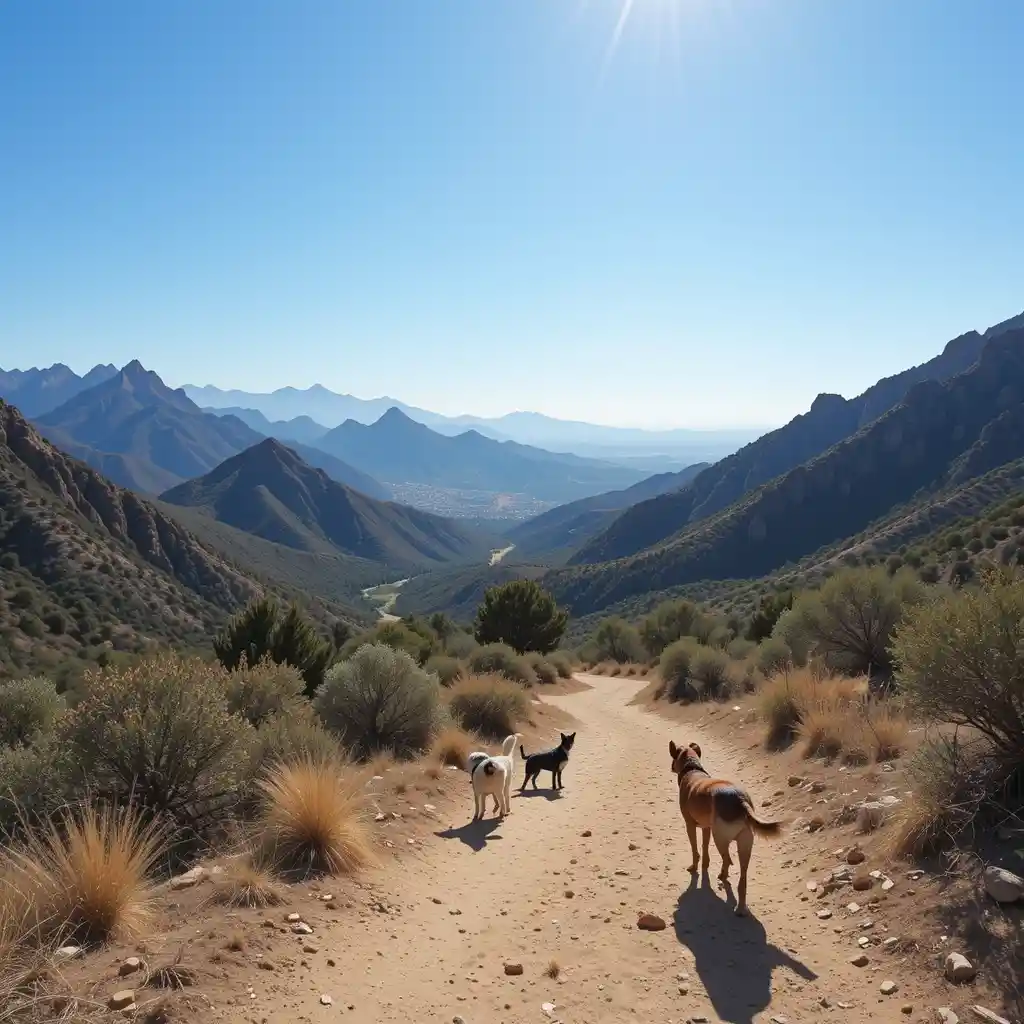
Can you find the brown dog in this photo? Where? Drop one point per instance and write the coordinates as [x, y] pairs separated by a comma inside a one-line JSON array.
[[721, 809]]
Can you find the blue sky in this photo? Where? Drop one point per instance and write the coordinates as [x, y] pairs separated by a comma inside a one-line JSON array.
[[486, 206]]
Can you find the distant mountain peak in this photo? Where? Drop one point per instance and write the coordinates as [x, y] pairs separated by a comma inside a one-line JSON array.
[[826, 400], [395, 417]]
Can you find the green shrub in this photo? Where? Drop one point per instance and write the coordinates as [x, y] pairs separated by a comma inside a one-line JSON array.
[[399, 636], [290, 737], [490, 705], [710, 671], [33, 783], [446, 668], [265, 689], [158, 733], [501, 658], [523, 615], [28, 708], [670, 621], [460, 644], [542, 668], [740, 649], [674, 669], [616, 640], [380, 700], [562, 664], [773, 655], [769, 609]]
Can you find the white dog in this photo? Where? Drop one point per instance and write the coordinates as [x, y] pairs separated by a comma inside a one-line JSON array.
[[491, 775]]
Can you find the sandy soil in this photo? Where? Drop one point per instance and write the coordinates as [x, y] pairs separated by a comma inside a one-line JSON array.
[[562, 881]]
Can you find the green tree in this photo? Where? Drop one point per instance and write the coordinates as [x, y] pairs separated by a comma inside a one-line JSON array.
[[769, 608], [670, 621], [616, 640], [523, 615]]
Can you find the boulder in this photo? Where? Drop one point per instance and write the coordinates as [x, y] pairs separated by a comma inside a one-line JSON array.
[[1002, 885]]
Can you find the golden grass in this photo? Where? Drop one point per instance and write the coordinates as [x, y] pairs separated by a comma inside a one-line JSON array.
[[490, 705], [553, 970], [83, 877], [247, 884], [314, 818], [452, 746]]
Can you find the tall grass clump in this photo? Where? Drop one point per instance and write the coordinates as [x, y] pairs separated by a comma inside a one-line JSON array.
[[710, 672], [313, 819], [774, 656], [562, 663], [452, 746], [500, 658], [380, 699], [675, 667], [782, 703], [545, 672], [85, 876], [490, 705]]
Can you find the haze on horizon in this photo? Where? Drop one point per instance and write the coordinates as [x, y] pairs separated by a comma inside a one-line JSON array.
[[654, 213]]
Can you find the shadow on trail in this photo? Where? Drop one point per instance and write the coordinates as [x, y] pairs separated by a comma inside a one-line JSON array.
[[474, 834], [548, 794], [732, 955]]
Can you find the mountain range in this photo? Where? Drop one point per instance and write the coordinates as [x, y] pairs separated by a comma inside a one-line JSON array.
[[269, 491]]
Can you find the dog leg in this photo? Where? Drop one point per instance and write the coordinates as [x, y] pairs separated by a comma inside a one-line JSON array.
[[706, 839], [723, 849], [477, 812], [744, 844], [691, 831], [506, 794]]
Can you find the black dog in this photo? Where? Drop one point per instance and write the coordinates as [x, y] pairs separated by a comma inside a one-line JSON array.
[[553, 761]]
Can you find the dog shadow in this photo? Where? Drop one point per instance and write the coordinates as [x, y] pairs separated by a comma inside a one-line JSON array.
[[548, 794], [732, 955], [474, 834]]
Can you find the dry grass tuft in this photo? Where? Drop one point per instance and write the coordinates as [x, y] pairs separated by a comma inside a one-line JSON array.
[[452, 746], [552, 970], [84, 877], [247, 884], [490, 705], [314, 818]]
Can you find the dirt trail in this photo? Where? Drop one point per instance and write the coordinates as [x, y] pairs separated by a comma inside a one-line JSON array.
[[479, 896]]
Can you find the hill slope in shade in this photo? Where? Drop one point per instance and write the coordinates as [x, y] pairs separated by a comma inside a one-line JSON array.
[[567, 527], [396, 449], [150, 437], [269, 491], [940, 435], [38, 390], [830, 420], [81, 553]]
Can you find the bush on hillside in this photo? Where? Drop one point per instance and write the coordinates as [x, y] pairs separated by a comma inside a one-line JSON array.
[[674, 669], [850, 621], [446, 668], [159, 734], [28, 708], [291, 736], [791, 633], [460, 644], [740, 649], [33, 782], [774, 655], [768, 612], [710, 672], [380, 700], [669, 622], [264, 690], [616, 640], [960, 659], [562, 664], [502, 659], [542, 668], [490, 705], [399, 636], [523, 615]]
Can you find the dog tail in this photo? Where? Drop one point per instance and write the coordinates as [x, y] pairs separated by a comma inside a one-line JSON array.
[[767, 829], [508, 748], [522, 752]]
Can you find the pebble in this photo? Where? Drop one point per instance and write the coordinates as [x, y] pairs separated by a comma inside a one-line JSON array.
[[188, 879], [824, 915], [907, 1008], [121, 1000], [293, 918], [513, 969], [650, 922], [68, 952], [326, 1000], [855, 855], [945, 1015], [887, 988], [130, 966], [1002, 885], [987, 1015], [860, 960], [302, 928]]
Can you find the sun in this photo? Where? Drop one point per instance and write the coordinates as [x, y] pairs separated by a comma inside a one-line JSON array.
[[663, 19]]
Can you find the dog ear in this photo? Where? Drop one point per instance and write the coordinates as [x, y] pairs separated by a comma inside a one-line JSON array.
[[696, 746], [672, 749]]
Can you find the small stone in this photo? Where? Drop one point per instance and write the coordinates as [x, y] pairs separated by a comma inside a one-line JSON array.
[[458, 1020], [907, 1008], [887, 988], [326, 1000], [1002, 885], [569, 894], [684, 990], [293, 918], [779, 1019], [853, 908], [824, 915], [795, 780], [650, 922], [816, 824], [513, 969], [818, 787], [860, 960], [188, 879], [863, 941], [891, 944], [121, 1000], [945, 1015], [959, 969], [862, 882], [309, 948], [887, 885], [266, 965], [812, 886], [586, 834], [854, 855], [987, 1015], [130, 966], [269, 924], [68, 952], [302, 928]]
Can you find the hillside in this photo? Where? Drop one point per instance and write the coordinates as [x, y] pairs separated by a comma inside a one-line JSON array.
[[457, 592], [559, 531], [149, 437], [396, 449], [267, 490], [940, 435], [302, 428], [830, 419], [38, 390], [82, 560]]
